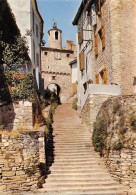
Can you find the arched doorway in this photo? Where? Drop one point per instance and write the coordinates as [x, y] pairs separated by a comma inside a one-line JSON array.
[[55, 88]]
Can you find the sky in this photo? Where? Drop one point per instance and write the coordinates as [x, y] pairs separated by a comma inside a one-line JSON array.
[[62, 12]]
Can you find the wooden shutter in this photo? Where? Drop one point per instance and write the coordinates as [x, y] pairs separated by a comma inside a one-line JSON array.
[[96, 44], [97, 78], [103, 37], [105, 76], [80, 36], [99, 7], [81, 60]]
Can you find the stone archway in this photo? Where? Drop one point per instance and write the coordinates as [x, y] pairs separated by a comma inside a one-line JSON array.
[[54, 87]]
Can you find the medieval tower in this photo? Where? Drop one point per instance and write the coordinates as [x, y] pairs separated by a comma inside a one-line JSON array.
[[56, 70]]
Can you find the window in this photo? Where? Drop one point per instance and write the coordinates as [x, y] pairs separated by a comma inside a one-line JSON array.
[[45, 53], [68, 55], [102, 36], [93, 15], [96, 44], [81, 60], [36, 30], [33, 21], [37, 58], [97, 78], [80, 36], [101, 78], [57, 56], [34, 51], [53, 77], [56, 35], [85, 87]]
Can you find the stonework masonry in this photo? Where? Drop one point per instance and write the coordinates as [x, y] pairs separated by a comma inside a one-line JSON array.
[[121, 162], [55, 63], [91, 108], [16, 115], [21, 156]]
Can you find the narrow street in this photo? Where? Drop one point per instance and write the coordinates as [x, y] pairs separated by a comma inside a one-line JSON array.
[[76, 168]]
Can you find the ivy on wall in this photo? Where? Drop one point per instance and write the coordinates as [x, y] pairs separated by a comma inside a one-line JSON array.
[[13, 47], [17, 86]]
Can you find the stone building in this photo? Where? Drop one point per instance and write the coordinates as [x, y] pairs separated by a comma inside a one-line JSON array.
[[56, 71], [74, 75], [30, 23], [106, 50]]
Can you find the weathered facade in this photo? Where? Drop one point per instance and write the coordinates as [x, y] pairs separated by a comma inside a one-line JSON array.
[[30, 23], [106, 45], [73, 65], [56, 71]]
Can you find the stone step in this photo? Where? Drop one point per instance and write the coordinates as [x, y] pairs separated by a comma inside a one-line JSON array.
[[80, 182], [75, 171], [76, 158], [85, 188], [77, 175], [80, 163], [75, 154], [85, 166], [79, 192]]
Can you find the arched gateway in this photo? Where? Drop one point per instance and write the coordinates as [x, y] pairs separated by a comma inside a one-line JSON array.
[[56, 70]]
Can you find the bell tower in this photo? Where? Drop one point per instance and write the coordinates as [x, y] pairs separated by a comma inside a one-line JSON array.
[[55, 40]]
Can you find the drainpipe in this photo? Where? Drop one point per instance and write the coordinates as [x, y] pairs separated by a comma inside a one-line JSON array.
[[109, 41]]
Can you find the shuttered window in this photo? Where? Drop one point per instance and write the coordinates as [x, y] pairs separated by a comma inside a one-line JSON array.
[[81, 60], [105, 76], [97, 78], [96, 44], [103, 37], [80, 36], [99, 7]]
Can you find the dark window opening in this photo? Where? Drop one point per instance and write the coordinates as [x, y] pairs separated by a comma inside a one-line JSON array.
[[67, 55], [37, 30], [53, 77], [45, 53], [56, 35], [85, 87]]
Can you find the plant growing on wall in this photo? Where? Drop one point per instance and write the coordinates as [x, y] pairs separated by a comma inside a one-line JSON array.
[[100, 134], [13, 49], [18, 86], [15, 53]]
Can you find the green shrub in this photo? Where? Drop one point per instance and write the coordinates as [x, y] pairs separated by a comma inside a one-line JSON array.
[[117, 145], [99, 134], [74, 104], [21, 86], [116, 107], [133, 121]]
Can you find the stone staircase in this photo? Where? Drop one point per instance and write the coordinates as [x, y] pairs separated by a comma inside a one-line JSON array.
[[76, 168]]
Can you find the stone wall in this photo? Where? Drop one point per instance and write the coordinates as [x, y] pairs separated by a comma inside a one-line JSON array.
[[91, 108], [22, 160], [63, 81], [16, 115], [120, 151]]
